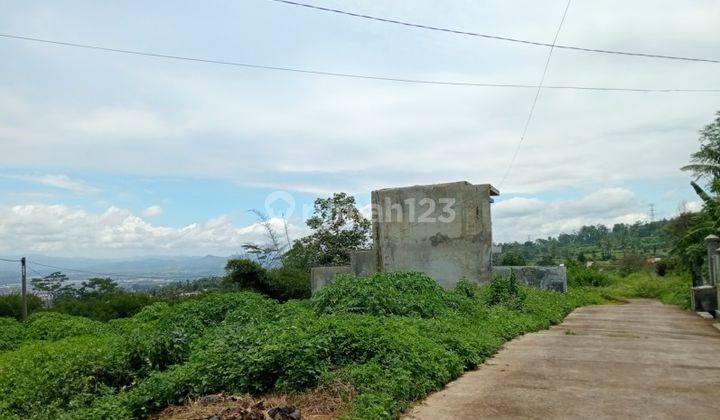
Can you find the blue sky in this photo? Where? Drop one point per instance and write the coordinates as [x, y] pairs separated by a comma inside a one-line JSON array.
[[112, 154]]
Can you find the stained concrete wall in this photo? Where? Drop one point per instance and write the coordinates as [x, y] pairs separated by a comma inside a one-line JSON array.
[[364, 263], [322, 276], [544, 278], [442, 230]]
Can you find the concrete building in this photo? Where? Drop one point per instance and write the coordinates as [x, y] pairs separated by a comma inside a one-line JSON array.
[[442, 230]]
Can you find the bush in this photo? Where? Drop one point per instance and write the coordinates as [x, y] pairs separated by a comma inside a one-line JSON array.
[[246, 274], [53, 326], [12, 334], [40, 378], [406, 294], [505, 291], [511, 259], [118, 304], [388, 339], [578, 276], [288, 283], [10, 305]]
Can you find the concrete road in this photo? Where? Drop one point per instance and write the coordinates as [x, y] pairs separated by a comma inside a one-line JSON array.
[[636, 360]]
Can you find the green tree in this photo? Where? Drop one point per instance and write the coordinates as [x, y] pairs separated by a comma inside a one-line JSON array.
[[337, 228], [55, 285], [98, 287], [512, 259], [246, 274], [705, 163]]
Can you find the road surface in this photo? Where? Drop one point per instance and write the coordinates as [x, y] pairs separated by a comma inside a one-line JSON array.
[[636, 360]]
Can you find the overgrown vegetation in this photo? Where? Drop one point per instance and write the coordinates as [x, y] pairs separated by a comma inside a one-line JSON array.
[[386, 352]]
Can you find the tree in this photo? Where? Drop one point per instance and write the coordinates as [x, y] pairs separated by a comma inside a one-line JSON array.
[[269, 254], [338, 228], [246, 274], [512, 260], [705, 163], [55, 285], [97, 287]]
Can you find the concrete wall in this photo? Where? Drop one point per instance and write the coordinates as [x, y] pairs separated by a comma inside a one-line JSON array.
[[321, 276], [544, 278], [364, 263], [442, 230]]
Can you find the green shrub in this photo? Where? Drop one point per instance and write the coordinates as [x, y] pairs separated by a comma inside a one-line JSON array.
[[390, 338], [288, 283], [10, 305], [161, 334], [511, 259], [44, 376], [246, 274], [578, 276], [505, 291], [54, 326], [406, 294], [118, 304], [12, 334]]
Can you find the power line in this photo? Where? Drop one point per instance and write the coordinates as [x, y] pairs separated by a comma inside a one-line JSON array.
[[497, 37], [9, 260], [350, 75], [537, 95], [96, 273]]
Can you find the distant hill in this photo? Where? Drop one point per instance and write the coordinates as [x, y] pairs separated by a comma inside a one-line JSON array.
[[155, 269]]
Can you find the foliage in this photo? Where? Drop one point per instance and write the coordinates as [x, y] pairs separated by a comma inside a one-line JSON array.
[[12, 334], [271, 253], [246, 274], [382, 294], [286, 283], [511, 259], [705, 163], [10, 305], [672, 289], [55, 326], [578, 275], [54, 284], [104, 307], [593, 243], [337, 228], [281, 283], [387, 352], [505, 291]]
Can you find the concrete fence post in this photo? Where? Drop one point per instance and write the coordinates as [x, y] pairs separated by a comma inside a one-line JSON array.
[[712, 243]]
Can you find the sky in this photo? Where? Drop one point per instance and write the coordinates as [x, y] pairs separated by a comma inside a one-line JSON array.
[[112, 155]]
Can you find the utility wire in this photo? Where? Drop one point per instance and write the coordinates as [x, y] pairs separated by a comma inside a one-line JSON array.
[[497, 37], [348, 75], [537, 95], [9, 260], [95, 273]]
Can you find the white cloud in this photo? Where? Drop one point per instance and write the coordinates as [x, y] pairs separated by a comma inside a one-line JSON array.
[[65, 231], [57, 181], [154, 210], [517, 218]]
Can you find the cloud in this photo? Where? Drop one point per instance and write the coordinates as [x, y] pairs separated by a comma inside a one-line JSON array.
[[154, 210], [57, 181], [518, 218], [66, 231]]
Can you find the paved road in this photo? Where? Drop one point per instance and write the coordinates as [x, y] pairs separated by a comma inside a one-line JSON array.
[[636, 360]]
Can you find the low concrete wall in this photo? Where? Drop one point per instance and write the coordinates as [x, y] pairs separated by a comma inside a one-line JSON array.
[[544, 278], [704, 299], [322, 276]]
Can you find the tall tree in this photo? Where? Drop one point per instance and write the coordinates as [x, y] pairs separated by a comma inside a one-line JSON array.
[[338, 227]]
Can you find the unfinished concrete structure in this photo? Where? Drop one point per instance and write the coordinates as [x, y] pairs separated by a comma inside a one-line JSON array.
[[442, 230]]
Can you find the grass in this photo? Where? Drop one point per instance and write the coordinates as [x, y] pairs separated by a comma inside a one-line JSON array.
[[383, 341]]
